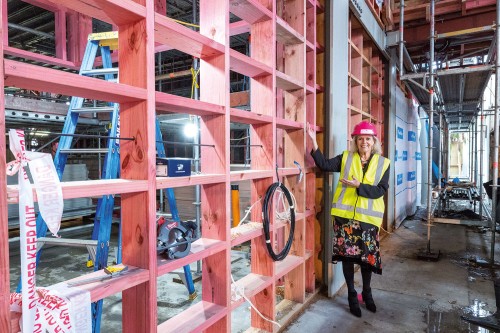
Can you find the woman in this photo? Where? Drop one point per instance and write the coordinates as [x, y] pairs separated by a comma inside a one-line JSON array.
[[357, 207]]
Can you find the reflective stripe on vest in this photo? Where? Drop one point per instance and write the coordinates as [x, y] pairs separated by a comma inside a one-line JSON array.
[[346, 202]]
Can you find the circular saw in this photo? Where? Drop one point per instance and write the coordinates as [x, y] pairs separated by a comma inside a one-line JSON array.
[[174, 238]]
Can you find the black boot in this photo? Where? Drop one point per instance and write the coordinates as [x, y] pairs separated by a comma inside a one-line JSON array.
[[352, 297], [368, 299]]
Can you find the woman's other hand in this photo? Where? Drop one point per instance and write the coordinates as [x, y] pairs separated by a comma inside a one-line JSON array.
[[353, 183]]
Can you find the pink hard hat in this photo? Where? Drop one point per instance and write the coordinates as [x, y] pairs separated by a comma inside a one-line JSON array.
[[364, 128]]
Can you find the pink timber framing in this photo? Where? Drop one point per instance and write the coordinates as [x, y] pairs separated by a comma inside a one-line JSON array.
[[5, 315], [282, 69]]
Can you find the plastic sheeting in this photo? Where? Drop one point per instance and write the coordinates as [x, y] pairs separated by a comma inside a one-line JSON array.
[[407, 159]]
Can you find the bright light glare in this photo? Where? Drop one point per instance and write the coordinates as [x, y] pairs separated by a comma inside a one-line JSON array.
[[190, 130]]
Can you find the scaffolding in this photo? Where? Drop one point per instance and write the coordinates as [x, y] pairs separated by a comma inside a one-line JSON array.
[[432, 88]]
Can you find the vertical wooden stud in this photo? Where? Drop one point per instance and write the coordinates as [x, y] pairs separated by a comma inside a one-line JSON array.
[[214, 88], [138, 160], [5, 22], [80, 26], [60, 26]]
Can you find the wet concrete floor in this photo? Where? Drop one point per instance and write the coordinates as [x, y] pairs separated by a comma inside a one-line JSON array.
[[414, 295], [411, 295]]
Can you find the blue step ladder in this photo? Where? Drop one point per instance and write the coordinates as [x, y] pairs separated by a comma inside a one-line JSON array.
[[105, 205], [160, 150]]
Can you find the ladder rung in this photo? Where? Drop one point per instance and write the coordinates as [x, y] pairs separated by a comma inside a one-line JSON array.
[[84, 151], [99, 71], [67, 241], [94, 109]]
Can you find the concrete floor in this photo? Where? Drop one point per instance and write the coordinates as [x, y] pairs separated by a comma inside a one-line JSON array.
[[411, 295], [414, 295]]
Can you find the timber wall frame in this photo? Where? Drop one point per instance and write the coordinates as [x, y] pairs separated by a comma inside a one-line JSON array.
[[366, 87], [282, 68]]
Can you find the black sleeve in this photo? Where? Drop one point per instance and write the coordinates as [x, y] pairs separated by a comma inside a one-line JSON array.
[[375, 192], [330, 165]]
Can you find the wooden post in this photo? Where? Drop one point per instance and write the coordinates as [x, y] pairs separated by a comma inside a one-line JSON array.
[[60, 27], [138, 160], [80, 26], [215, 208]]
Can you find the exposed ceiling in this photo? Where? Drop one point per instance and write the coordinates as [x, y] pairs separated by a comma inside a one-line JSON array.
[[32, 28], [464, 51]]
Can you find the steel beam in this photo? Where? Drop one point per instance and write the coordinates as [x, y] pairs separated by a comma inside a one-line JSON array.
[[452, 71], [431, 116], [494, 191], [419, 34], [336, 134]]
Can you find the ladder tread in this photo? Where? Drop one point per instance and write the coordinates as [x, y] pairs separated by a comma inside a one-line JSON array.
[[84, 150], [99, 71], [93, 109], [67, 241]]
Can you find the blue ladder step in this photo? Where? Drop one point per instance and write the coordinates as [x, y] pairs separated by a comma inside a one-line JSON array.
[[99, 109], [84, 151], [99, 71]]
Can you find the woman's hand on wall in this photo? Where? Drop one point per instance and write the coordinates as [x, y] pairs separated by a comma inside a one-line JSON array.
[[311, 132]]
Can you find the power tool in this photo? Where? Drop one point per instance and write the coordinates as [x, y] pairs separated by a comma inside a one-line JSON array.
[[174, 238]]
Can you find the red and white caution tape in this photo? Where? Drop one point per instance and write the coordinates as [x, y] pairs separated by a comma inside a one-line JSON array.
[[50, 202], [58, 310]]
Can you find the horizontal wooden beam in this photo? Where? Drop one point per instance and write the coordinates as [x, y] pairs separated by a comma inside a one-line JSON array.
[[167, 103], [251, 285], [200, 249], [87, 188], [237, 28], [286, 265], [245, 175], [288, 124], [181, 38], [249, 117], [243, 234], [286, 82], [45, 4], [119, 12], [247, 66], [285, 34], [26, 76], [198, 318], [87, 7], [250, 11], [102, 289], [122, 12], [173, 182], [15, 52]]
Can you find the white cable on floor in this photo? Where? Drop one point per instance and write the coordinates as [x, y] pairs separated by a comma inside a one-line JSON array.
[[238, 290]]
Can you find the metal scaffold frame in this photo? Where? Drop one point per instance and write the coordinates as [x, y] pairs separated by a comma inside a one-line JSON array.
[[431, 86]]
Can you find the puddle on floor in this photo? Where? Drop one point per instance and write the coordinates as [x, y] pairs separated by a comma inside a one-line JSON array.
[[451, 321], [475, 265]]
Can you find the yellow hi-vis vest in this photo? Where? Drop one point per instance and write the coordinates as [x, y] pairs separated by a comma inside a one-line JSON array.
[[346, 201]]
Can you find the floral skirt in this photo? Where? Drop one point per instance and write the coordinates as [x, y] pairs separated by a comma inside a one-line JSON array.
[[357, 242]]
